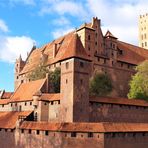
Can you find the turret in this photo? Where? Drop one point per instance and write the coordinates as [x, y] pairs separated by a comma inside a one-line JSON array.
[[111, 46], [19, 65]]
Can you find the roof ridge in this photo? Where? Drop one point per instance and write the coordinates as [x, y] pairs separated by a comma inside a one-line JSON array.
[[109, 34], [133, 45]]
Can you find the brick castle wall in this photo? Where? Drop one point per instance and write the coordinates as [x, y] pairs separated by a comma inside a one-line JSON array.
[[17, 139], [100, 112], [32, 138], [126, 140]]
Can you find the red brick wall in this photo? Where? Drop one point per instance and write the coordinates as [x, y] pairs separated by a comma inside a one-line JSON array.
[[120, 76], [53, 140], [126, 140], [117, 113], [17, 139]]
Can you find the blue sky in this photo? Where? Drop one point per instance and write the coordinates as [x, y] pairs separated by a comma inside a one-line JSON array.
[[27, 22]]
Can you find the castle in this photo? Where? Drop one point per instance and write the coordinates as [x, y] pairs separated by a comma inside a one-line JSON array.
[[33, 116]]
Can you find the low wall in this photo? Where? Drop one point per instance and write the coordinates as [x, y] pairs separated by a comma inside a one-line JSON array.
[[40, 139], [44, 139]]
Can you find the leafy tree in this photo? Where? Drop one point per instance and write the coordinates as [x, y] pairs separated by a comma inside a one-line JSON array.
[[40, 72], [139, 83], [100, 84], [55, 79]]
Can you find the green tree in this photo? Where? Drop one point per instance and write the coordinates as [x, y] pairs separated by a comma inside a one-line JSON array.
[[139, 83], [40, 72], [55, 79], [100, 85]]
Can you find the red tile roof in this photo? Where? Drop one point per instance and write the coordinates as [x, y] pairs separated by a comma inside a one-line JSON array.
[[34, 58], [32, 61], [26, 91], [123, 101], [75, 49], [86, 127], [110, 35], [6, 95], [109, 100], [4, 101], [50, 97], [67, 46], [8, 119], [127, 52], [138, 50], [71, 46]]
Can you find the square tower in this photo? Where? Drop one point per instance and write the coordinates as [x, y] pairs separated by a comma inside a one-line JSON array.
[[143, 31], [75, 69]]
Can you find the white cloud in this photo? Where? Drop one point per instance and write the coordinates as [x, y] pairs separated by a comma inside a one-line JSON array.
[[61, 31], [3, 26], [61, 21], [69, 7], [120, 17], [62, 7], [12, 47]]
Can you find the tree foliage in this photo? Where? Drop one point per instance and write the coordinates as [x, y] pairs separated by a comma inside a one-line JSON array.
[[55, 79], [100, 85], [40, 73], [139, 83]]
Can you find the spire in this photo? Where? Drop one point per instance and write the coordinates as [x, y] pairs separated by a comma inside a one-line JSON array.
[[110, 35], [20, 58], [34, 46], [75, 49]]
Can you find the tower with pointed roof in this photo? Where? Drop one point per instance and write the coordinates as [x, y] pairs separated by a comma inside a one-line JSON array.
[[111, 46], [19, 64], [75, 68]]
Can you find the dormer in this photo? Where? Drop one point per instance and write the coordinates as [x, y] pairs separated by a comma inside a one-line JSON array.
[[55, 47]]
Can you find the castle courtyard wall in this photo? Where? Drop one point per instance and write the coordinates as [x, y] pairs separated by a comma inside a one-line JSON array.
[[103, 112], [33, 138], [126, 140], [120, 76], [17, 139]]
